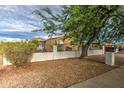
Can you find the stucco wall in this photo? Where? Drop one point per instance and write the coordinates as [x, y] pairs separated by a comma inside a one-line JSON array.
[[56, 55], [95, 52]]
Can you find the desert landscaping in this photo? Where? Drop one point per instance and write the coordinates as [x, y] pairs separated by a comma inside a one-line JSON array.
[[56, 73]]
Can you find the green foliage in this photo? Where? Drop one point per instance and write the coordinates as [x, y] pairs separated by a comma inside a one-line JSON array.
[[34, 30], [1, 48], [84, 24], [19, 53], [35, 41]]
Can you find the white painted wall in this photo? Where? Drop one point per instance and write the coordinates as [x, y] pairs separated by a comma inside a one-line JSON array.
[[110, 58], [56, 55], [95, 52]]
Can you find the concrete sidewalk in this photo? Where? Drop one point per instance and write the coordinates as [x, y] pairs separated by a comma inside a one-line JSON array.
[[111, 79]]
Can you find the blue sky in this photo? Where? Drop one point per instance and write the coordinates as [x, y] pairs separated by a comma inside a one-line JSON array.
[[18, 21]]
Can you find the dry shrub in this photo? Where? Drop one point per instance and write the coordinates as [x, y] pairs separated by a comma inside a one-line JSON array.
[[19, 53]]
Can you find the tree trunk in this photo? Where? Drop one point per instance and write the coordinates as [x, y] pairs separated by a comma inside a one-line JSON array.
[[91, 39], [83, 51]]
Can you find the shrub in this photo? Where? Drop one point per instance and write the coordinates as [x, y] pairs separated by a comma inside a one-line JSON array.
[[1, 48], [35, 41], [19, 53]]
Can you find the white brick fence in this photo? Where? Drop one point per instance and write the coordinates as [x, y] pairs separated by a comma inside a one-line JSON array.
[[57, 55]]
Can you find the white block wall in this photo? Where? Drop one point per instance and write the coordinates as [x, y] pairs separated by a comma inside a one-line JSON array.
[[95, 52], [49, 56], [54, 55]]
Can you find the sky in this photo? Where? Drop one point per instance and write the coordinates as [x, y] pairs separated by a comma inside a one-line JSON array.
[[17, 21]]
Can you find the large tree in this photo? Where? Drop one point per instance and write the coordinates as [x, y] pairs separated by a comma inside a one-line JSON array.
[[84, 24]]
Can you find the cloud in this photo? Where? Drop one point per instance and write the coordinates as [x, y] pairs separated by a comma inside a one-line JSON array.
[[7, 39], [19, 18], [17, 26]]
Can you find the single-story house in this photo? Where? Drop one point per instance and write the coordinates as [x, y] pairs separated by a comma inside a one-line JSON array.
[[63, 44]]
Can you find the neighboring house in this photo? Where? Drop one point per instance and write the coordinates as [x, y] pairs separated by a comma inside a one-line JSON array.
[[95, 45], [63, 44], [41, 45]]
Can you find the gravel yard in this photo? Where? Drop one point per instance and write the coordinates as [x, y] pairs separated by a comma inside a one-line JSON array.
[[58, 73]]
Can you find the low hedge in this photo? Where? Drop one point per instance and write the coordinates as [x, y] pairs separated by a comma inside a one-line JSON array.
[[19, 53]]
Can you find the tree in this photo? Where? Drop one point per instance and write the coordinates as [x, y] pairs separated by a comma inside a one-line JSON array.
[[84, 24]]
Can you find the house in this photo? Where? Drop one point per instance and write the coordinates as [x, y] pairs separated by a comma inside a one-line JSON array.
[[95, 45], [41, 46], [63, 44]]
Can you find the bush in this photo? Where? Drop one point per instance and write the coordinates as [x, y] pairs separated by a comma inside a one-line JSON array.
[[35, 41], [19, 53], [1, 48]]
